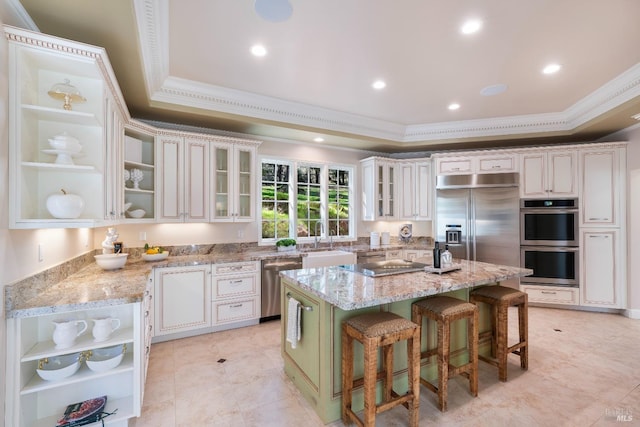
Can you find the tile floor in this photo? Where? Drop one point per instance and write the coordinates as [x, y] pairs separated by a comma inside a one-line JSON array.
[[584, 370]]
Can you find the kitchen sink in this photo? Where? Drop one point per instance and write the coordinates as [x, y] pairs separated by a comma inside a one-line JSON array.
[[328, 258]]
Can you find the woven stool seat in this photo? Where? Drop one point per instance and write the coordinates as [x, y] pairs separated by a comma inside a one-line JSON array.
[[379, 330], [500, 298], [444, 310]]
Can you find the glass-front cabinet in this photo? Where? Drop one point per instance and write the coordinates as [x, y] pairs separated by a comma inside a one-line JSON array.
[[138, 174], [233, 183]]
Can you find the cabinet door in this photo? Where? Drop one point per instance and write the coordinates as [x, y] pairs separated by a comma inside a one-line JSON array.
[[170, 198], [601, 277], [182, 299], [497, 163], [244, 183], [562, 174], [600, 187], [424, 191], [409, 192], [416, 190], [113, 178], [369, 198], [388, 189], [454, 165], [196, 180], [533, 175]]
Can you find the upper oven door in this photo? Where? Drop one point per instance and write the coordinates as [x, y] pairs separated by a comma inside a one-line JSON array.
[[549, 227]]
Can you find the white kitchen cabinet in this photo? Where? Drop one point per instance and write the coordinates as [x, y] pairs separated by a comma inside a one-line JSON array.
[[183, 187], [379, 189], [497, 163], [182, 299], [457, 165], [549, 174], [34, 402], [416, 196], [414, 254], [233, 182], [551, 294], [236, 294], [394, 254], [603, 186], [139, 154], [477, 163], [603, 272], [113, 179], [36, 170]]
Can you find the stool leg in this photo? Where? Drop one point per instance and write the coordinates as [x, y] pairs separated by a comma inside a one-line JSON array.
[[443, 363], [502, 334], [413, 351], [494, 331], [472, 336], [347, 375], [387, 365], [370, 376], [524, 334]]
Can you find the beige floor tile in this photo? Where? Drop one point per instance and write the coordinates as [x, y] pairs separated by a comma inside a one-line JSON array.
[[584, 370]]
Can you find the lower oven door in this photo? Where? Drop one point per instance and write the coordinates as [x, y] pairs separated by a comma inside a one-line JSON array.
[[556, 266]]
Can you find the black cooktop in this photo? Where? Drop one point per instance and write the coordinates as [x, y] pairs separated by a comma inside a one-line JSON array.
[[385, 268]]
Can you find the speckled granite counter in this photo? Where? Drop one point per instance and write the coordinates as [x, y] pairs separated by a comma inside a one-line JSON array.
[[81, 284], [349, 291]]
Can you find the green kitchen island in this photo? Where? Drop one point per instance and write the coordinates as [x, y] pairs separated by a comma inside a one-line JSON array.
[[331, 294]]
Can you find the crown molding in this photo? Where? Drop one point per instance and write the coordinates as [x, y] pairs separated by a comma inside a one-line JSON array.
[[152, 18], [17, 15]]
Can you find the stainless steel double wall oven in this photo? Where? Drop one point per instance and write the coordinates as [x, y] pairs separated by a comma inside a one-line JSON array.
[[549, 242]]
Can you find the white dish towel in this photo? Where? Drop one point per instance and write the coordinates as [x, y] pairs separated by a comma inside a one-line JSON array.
[[294, 312]]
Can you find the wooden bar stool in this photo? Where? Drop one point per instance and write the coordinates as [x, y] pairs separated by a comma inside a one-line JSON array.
[[375, 330], [500, 298], [444, 310]]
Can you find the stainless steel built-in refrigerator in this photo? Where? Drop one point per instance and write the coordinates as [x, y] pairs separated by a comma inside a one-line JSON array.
[[478, 217]]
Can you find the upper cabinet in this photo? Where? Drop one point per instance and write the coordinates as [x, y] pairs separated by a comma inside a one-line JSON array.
[[379, 189], [137, 188], [417, 190], [476, 163], [184, 179], [59, 103], [602, 185], [233, 181], [549, 174]]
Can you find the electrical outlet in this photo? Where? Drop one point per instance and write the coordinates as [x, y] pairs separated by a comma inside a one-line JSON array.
[[142, 236], [240, 234], [40, 252]]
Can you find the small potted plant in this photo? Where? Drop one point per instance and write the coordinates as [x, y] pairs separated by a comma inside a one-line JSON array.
[[285, 245]]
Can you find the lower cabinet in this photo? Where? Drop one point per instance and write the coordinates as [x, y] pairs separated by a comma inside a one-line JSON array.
[[182, 298], [602, 275], [32, 401], [236, 294], [552, 294]]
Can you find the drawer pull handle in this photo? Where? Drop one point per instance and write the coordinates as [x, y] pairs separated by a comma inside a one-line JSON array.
[[236, 305], [549, 292], [598, 219], [235, 282]]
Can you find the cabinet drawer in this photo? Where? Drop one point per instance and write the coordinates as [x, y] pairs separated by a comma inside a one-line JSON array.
[[492, 164], [395, 254], [233, 311], [453, 166], [235, 286], [552, 295], [235, 267]]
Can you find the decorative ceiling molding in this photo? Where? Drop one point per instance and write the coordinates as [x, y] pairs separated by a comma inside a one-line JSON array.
[[18, 16], [153, 26]]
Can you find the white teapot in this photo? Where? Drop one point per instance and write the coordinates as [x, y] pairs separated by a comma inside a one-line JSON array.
[[66, 331], [103, 327]]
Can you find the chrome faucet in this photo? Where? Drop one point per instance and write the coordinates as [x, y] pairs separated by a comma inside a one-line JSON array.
[[316, 233]]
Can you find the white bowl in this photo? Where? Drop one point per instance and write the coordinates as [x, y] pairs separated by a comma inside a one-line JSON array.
[[65, 206], [155, 257], [58, 367], [103, 359], [69, 145], [111, 261], [137, 213], [127, 206]]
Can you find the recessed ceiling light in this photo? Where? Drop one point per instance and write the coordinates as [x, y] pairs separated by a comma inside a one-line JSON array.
[[454, 106], [318, 139], [379, 84], [551, 68], [471, 26], [493, 89], [258, 50]]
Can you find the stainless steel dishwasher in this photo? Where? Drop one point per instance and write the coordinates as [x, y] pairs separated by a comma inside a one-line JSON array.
[[271, 285]]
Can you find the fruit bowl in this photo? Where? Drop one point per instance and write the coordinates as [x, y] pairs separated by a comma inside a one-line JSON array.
[[155, 257], [111, 261], [59, 367], [103, 359]]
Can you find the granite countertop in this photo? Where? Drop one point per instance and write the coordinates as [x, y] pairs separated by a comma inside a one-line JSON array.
[[88, 286], [349, 291]]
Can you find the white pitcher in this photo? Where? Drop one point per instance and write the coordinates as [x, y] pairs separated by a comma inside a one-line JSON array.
[[103, 327], [66, 331]]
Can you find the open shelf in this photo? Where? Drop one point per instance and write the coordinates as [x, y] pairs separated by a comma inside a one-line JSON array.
[[123, 408], [59, 167]]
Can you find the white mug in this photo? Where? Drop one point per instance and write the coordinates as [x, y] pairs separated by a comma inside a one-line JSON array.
[[66, 332], [103, 327]]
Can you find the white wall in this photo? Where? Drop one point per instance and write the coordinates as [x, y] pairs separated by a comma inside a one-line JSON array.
[[184, 234]]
